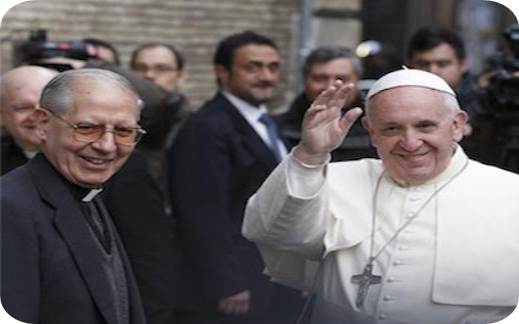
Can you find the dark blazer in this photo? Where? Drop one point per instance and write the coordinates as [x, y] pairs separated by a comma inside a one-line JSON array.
[[11, 155], [49, 270], [217, 162]]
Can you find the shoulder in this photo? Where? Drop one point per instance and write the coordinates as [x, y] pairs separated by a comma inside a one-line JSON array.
[[354, 173], [213, 116], [15, 182], [488, 175], [19, 195]]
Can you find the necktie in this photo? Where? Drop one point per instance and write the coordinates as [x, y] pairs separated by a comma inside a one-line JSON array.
[[272, 132]]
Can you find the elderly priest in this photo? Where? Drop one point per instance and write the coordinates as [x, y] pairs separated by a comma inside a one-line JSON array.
[[62, 259], [423, 235]]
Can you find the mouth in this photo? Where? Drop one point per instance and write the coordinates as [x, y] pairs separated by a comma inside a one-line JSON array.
[[96, 161], [413, 157], [263, 86]]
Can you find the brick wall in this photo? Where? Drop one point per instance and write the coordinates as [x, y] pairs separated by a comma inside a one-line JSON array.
[[194, 26]]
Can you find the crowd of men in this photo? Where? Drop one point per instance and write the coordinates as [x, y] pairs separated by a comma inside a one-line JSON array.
[[122, 204]]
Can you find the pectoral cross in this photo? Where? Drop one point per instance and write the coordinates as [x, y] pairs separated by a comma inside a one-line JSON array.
[[364, 280]]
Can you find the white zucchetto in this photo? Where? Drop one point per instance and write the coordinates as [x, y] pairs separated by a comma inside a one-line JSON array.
[[409, 77]]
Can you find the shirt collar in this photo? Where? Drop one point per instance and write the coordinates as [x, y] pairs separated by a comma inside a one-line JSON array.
[[81, 193], [250, 112]]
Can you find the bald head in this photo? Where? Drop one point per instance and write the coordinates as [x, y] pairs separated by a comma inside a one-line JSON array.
[[20, 91]]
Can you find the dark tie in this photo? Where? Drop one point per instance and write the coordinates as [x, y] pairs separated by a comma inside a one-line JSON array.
[[273, 134]]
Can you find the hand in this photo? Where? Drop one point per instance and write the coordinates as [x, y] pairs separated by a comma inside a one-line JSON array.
[[324, 128], [237, 304]]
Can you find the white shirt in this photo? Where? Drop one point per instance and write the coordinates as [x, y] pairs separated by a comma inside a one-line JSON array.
[[252, 114], [452, 264]]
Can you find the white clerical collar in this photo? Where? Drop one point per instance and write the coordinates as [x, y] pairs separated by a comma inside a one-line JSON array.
[[29, 154], [91, 194], [250, 112]]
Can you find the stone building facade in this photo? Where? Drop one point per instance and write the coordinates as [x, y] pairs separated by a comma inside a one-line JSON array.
[[196, 26], [193, 26]]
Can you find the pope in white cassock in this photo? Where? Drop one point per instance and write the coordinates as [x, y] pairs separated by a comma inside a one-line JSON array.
[[423, 235]]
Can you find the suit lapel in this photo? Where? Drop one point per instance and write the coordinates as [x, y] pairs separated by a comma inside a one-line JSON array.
[[74, 230], [250, 139]]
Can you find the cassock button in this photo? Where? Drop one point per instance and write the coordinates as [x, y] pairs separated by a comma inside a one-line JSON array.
[[397, 262], [382, 317], [391, 279]]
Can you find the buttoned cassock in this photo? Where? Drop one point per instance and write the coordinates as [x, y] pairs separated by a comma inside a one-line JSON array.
[[456, 262]]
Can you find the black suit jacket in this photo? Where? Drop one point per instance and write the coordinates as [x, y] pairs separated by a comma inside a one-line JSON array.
[[217, 162], [50, 272], [11, 155]]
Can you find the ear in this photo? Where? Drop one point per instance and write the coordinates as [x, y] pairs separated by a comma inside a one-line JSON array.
[[459, 124], [371, 131], [41, 120], [183, 77], [464, 66], [222, 75]]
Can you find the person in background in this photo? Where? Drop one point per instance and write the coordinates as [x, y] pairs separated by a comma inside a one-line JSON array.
[[442, 52], [163, 65], [20, 90], [322, 68], [105, 51], [62, 259], [220, 157]]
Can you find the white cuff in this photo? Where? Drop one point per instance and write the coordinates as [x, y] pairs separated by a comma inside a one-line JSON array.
[[304, 180]]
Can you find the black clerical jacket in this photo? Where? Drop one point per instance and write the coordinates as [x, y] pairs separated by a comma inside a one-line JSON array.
[[50, 261]]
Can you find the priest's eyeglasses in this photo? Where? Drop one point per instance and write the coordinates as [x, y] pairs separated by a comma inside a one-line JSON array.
[[86, 132]]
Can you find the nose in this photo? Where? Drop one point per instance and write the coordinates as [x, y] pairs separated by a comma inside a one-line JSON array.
[[330, 82], [433, 68], [268, 75], [410, 141], [106, 143], [149, 74]]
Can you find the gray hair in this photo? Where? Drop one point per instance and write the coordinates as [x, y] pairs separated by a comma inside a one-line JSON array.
[[58, 94], [325, 54], [450, 103]]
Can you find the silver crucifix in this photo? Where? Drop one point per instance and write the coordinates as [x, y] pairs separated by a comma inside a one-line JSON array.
[[364, 280]]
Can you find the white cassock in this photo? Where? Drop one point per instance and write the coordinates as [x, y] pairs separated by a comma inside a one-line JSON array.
[[456, 262]]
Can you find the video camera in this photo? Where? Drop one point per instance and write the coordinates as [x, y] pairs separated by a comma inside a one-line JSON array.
[[57, 55], [502, 101], [502, 91]]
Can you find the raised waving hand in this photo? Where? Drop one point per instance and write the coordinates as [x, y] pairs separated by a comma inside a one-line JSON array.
[[324, 127]]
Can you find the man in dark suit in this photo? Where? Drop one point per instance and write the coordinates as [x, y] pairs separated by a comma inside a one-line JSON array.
[[20, 90], [220, 157], [62, 259]]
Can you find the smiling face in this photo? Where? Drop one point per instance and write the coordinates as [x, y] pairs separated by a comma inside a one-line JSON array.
[[253, 75], [414, 133], [21, 89], [98, 102]]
